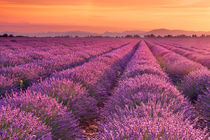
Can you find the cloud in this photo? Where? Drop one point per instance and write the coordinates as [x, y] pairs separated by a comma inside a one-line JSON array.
[[35, 28], [193, 4], [42, 2], [61, 15], [22, 27], [86, 2], [115, 3]]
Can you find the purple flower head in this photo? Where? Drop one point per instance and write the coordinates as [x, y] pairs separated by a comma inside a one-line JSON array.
[[196, 83], [150, 121], [46, 108], [17, 124], [203, 107], [71, 94]]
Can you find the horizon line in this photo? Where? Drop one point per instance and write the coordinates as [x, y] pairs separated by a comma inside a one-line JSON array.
[[104, 31]]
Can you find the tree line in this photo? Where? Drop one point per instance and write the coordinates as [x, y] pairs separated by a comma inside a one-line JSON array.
[[126, 36], [10, 35]]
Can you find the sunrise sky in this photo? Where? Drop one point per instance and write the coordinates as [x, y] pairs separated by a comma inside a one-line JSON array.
[[103, 15]]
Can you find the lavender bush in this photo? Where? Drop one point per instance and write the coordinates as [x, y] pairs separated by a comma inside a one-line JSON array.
[[99, 74], [196, 83], [148, 107], [158, 123], [5, 84], [174, 64], [42, 68], [17, 124], [182, 48], [143, 62], [71, 94], [89, 88], [203, 105], [47, 109]]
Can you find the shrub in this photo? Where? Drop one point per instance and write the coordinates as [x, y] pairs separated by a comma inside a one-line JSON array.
[[203, 105], [46, 108], [17, 124], [149, 121], [133, 91], [71, 94], [196, 83]]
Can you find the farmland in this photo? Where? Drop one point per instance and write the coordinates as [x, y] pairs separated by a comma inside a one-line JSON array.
[[105, 88]]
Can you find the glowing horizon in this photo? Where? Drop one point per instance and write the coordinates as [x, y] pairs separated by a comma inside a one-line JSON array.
[[105, 15]]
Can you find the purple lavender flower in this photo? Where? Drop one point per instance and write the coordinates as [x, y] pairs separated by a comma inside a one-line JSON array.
[[46, 108], [155, 123], [17, 124], [71, 94], [148, 107], [175, 65], [196, 83], [203, 106]]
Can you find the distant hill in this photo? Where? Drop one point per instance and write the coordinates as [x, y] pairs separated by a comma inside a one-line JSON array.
[[70, 33], [53, 34], [123, 33], [161, 32], [76, 33]]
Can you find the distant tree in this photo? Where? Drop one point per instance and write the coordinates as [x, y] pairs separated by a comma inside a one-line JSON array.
[[181, 36], [128, 36], [5, 35], [168, 36], [194, 35], [150, 36], [11, 35], [20, 36], [99, 36], [159, 36], [136, 36], [203, 35]]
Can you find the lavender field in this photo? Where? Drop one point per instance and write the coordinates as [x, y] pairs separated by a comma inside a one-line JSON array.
[[104, 88]]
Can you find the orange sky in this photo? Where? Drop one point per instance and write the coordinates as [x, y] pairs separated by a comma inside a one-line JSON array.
[[103, 15]]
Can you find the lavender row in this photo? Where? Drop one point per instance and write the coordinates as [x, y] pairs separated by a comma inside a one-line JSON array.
[[48, 101], [198, 57], [62, 50], [192, 49], [193, 45], [203, 105], [147, 106], [16, 124], [200, 45], [45, 110], [28, 102], [174, 64], [13, 52], [101, 70], [24, 75], [194, 78], [196, 86], [16, 52], [143, 63], [5, 84], [78, 88], [47, 44]]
